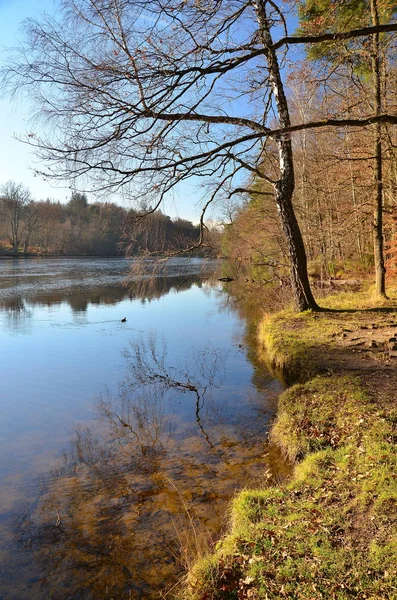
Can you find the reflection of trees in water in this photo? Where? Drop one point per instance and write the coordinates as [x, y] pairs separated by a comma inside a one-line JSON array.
[[80, 299], [105, 525], [251, 294], [154, 288], [149, 369], [253, 289], [17, 315], [153, 278]]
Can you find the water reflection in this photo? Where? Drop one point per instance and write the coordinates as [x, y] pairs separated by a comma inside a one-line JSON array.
[[178, 430], [43, 277], [116, 517], [18, 309], [149, 371], [17, 314]]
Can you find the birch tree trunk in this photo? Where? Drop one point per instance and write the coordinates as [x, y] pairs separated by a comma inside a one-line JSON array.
[[284, 187]]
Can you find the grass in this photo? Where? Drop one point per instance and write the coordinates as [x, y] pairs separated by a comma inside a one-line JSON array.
[[317, 415], [296, 346], [287, 342], [330, 532]]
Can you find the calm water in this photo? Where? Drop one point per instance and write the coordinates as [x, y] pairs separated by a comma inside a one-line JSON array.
[[121, 442]]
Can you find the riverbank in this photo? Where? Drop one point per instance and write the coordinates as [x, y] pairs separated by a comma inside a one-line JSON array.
[[330, 532]]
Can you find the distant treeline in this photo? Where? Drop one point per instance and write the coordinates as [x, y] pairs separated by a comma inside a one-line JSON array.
[[82, 228]]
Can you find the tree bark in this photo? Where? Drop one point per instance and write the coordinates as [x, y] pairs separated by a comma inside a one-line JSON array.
[[284, 187], [380, 269]]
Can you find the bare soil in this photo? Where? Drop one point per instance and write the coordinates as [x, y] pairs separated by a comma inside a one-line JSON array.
[[366, 346]]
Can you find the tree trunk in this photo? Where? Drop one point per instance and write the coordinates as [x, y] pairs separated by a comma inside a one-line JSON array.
[[284, 187], [380, 270]]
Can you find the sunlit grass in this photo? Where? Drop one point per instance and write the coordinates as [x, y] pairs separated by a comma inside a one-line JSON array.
[[293, 344], [365, 300]]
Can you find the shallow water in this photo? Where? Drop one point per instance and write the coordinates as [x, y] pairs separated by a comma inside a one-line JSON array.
[[121, 443]]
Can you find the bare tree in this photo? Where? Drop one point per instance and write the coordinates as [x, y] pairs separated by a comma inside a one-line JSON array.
[[14, 200], [149, 94], [376, 63], [30, 224]]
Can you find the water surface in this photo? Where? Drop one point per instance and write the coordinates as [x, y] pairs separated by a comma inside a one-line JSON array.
[[121, 442]]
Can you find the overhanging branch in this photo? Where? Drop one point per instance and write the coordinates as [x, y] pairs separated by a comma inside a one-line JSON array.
[[383, 119], [334, 37]]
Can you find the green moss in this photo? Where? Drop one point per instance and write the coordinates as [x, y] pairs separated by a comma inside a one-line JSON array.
[[324, 412]]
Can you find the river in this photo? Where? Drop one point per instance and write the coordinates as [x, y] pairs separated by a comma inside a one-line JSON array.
[[130, 415]]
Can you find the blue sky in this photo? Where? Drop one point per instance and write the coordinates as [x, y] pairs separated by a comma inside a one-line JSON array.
[[16, 158]]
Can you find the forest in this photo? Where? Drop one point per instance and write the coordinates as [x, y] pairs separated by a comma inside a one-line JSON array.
[[79, 228], [335, 190], [345, 176]]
